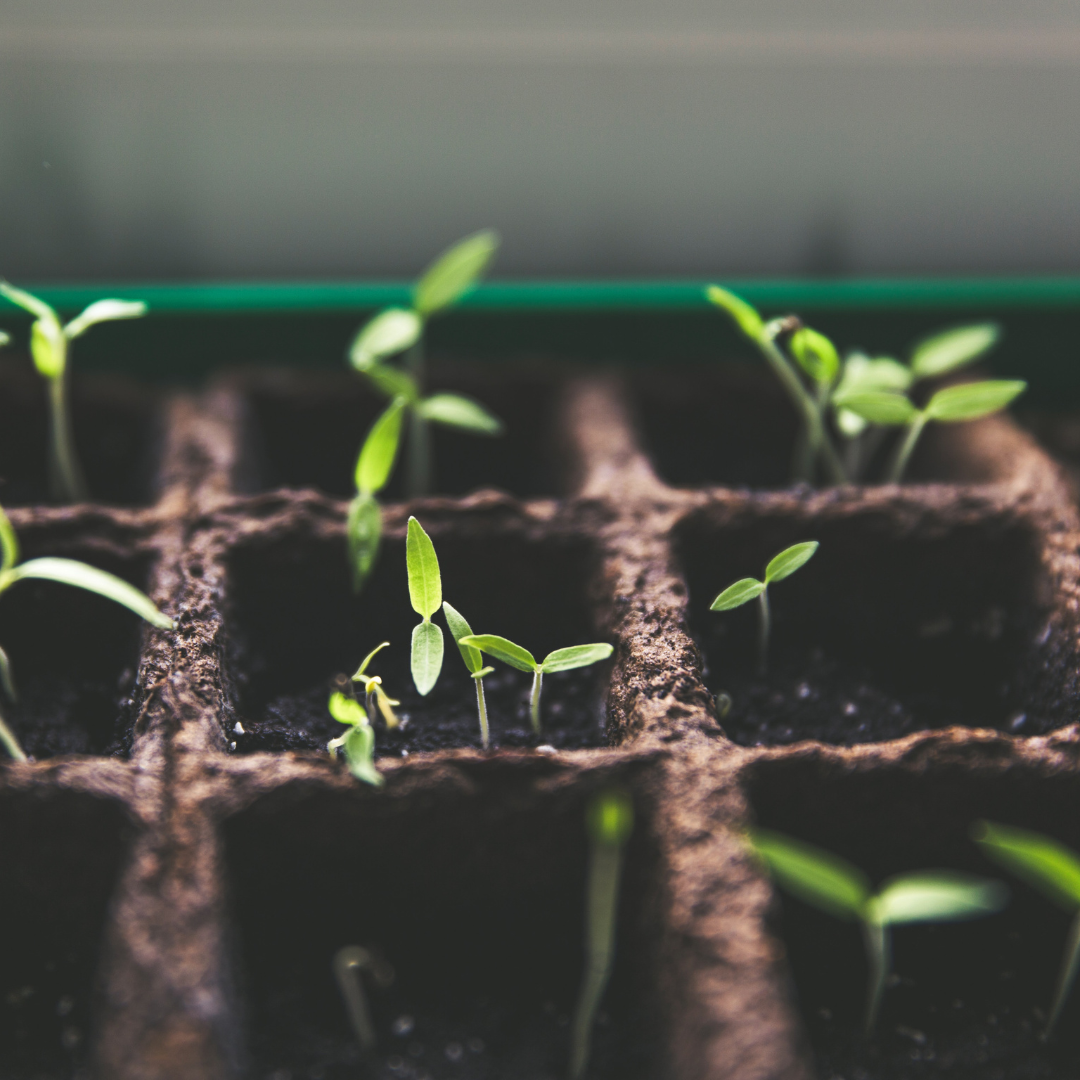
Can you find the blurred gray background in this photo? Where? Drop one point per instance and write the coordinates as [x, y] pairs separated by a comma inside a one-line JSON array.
[[601, 137]]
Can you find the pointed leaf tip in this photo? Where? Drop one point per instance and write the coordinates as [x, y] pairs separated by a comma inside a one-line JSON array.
[[789, 560], [422, 564], [742, 592]]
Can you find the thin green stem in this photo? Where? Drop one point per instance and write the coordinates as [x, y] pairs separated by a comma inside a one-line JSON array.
[[10, 743], [534, 700], [764, 625], [1066, 977], [906, 448], [876, 937], [65, 475], [481, 708], [418, 467], [348, 963]]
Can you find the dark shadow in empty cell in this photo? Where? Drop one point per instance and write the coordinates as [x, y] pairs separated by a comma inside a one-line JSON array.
[[887, 630], [287, 643], [474, 898]]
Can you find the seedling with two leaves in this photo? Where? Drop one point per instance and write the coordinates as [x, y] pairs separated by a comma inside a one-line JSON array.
[[833, 885], [398, 330], [746, 589], [358, 742], [50, 342]]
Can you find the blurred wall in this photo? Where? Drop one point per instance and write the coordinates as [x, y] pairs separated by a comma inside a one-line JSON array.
[[235, 138]]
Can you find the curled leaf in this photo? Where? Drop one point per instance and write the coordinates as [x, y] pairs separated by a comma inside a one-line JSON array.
[[346, 710], [815, 354], [48, 347], [360, 754]]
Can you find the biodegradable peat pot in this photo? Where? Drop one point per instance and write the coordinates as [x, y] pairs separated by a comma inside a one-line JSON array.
[[238, 856]]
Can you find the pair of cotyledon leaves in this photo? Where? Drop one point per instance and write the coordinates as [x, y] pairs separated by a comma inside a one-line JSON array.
[[780, 566]]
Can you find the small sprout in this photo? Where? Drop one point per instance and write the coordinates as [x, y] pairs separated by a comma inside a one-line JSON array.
[[836, 887], [358, 742], [349, 962], [743, 591], [610, 820], [425, 593], [376, 696], [49, 345], [474, 662], [1054, 870], [575, 656]]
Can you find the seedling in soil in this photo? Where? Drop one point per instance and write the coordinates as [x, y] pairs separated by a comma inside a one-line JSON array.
[[358, 742], [743, 591], [425, 593], [373, 468], [836, 887], [349, 962], [474, 662], [575, 656], [1054, 870], [376, 696], [610, 819], [50, 342], [67, 572], [398, 330]]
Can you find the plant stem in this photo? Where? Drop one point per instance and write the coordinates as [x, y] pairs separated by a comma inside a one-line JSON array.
[[876, 937], [348, 962], [65, 476], [764, 623], [906, 447], [481, 708], [418, 471], [1066, 976], [10, 743], [534, 700]]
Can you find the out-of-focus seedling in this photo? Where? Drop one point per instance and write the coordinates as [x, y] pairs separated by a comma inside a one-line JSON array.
[[746, 589], [474, 662], [425, 593], [575, 656], [373, 468], [1054, 870], [609, 820], [67, 572], [375, 695], [398, 330], [836, 887], [349, 962], [50, 342], [358, 742]]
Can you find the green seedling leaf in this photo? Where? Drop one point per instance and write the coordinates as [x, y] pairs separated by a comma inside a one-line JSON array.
[[503, 650], [454, 272], [393, 383], [1041, 861], [483, 672], [460, 628], [70, 572], [970, 401], [936, 896], [878, 406], [884, 373], [363, 530], [104, 311], [788, 561], [575, 656], [7, 679], [388, 333], [427, 656], [461, 412], [610, 817], [425, 582], [28, 302], [748, 320], [48, 347], [377, 456], [815, 354], [347, 710], [816, 876], [742, 592], [367, 660], [952, 349], [360, 753]]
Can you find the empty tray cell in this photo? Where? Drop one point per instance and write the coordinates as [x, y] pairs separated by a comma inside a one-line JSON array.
[[474, 895], [898, 623], [117, 437], [289, 645], [59, 858], [968, 1000], [306, 431]]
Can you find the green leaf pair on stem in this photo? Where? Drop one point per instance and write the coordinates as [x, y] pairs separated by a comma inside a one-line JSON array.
[[832, 884], [398, 330], [50, 341], [746, 589], [358, 742]]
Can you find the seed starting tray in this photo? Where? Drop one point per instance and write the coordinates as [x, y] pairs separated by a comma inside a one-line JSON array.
[[181, 859]]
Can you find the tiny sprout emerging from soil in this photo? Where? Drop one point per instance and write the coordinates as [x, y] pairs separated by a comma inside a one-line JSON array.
[[349, 962], [743, 591], [358, 742], [473, 661], [376, 696], [397, 330], [1054, 870], [575, 656], [836, 887], [610, 820], [50, 341], [373, 467], [67, 572], [425, 593]]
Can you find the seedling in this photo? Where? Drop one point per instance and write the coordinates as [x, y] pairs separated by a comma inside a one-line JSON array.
[[358, 742], [376, 696], [50, 342], [67, 572], [425, 593], [836, 887], [1054, 870], [398, 330], [349, 962], [473, 661], [373, 468], [746, 589], [609, 820], [575, 656]]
